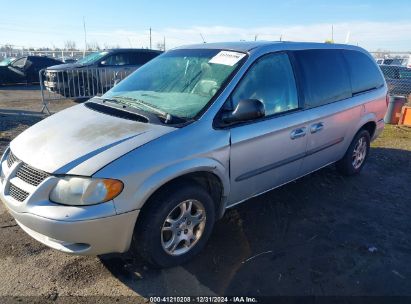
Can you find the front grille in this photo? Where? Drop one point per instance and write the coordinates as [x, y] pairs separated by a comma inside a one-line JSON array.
[[25, 173], [17, 193], [11, 159], [51, 76], [31, 175]]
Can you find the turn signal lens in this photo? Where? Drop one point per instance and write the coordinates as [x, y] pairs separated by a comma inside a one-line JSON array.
[[113, 188]]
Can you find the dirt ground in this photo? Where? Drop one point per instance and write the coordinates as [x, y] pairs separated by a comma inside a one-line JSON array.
[[321, 235]]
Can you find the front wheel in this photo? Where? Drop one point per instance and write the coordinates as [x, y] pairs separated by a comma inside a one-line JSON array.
[[175, 226], [356, 155]]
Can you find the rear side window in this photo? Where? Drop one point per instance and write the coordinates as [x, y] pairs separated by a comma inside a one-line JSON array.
[[364, 73], [117, 59], [143, 57], [324, 76]]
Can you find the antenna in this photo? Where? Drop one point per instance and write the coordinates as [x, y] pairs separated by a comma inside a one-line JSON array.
[[202, 38], [255, 37], [164, 43], [347, 38], [332, 33], [85, 36], [281, 37]]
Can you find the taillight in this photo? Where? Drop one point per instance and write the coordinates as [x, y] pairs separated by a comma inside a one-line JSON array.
[[387, 99]]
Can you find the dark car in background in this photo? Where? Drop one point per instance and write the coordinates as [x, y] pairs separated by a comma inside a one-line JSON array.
[[25, 69], [398, 79], [96, 73]]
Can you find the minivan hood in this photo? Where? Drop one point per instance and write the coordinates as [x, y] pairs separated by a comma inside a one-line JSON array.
[[81, 141]]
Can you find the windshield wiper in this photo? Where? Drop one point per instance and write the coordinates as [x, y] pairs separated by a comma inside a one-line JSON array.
[[168, 118]]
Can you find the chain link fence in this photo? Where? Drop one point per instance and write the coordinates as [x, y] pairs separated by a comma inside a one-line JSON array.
[[78, 84], [396, 67], [63, 55]]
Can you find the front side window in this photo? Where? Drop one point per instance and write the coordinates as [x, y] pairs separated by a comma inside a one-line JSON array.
[[270, 80], [179, 82], [19, 63]]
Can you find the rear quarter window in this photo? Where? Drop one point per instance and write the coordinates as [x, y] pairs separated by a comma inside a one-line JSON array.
[[324, 76], [364, 73]]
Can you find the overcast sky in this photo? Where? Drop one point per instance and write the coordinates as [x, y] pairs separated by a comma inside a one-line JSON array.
[[373, 24]]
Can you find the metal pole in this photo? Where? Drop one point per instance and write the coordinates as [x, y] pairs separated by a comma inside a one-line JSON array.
[[41, 72], [85, 37], [150, 38]]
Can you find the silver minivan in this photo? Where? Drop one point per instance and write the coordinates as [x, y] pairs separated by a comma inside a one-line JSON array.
[[156, 160]]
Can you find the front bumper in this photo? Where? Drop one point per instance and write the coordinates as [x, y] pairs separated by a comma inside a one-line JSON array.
[[85, 230], [92, 237]]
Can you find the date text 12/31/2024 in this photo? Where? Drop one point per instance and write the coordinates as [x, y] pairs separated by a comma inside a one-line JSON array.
[[200, 299]]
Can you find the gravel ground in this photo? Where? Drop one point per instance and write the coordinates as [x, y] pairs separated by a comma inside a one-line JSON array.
[[321, 235]]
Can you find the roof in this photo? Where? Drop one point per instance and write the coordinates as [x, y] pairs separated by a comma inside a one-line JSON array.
[[241, 46], [131, 50], [247, 46]]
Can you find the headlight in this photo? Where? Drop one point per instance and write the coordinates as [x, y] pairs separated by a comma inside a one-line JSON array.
[[80, 191]]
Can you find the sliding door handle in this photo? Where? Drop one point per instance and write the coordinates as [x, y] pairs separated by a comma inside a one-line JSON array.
[[297, 133], [317, 127]]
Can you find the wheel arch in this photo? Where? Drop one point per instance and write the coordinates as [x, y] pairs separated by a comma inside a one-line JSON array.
[[370, 126], [209, 174], [368, 122]]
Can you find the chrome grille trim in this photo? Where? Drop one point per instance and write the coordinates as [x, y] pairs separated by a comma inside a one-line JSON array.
[[11, 159], [17, 193], [31, 175]]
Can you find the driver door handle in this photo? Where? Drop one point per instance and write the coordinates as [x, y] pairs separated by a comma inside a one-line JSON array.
[[297, 133]]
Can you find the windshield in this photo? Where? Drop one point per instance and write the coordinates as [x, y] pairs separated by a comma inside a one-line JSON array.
[[92, 57], [180, 82], [6, 61]]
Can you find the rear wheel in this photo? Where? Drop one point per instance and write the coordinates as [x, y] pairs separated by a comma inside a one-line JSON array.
[[356, 155], [175, 226]]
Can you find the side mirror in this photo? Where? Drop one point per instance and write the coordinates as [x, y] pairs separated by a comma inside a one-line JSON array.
[[247, 109]]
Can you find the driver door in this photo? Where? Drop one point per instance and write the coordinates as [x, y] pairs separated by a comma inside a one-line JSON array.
[[267, 152], [16, 73]]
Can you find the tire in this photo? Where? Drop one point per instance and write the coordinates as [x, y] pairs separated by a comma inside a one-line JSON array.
[[349, 165], [149, 238]]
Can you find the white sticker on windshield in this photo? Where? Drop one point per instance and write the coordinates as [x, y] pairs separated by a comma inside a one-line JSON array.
[[227, 58]]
